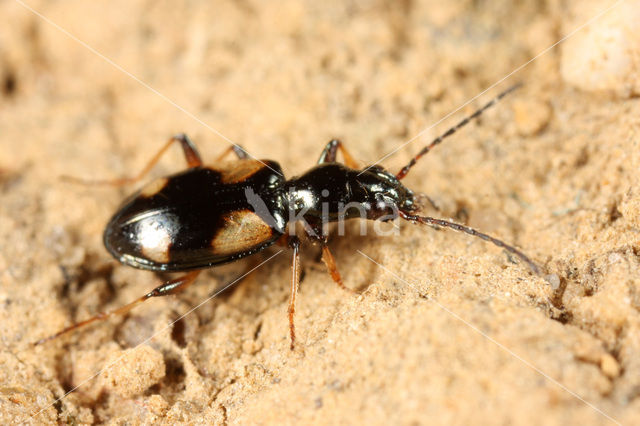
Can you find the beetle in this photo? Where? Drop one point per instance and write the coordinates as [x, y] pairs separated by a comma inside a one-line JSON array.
[[210, 215]]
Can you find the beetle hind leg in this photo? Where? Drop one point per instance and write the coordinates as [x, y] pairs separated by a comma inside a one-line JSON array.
[[173, 286], [189, 149]]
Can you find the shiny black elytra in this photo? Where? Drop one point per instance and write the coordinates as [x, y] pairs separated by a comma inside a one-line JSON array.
[[205, 216]]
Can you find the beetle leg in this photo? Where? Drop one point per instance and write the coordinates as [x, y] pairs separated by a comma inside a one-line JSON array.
[[328, 260], [190, 153], [330, 151], [294, 243], [316, 233], [237, 150], [174, 286]]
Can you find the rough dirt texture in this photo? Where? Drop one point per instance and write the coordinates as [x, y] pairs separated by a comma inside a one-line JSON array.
[[449, 330]]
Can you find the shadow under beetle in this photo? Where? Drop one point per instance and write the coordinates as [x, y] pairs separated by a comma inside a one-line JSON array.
[[204, 216]]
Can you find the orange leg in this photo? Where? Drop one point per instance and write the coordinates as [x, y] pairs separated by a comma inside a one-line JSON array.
[[330, 151], [190, 153], [170, 287], [237, 150], [328, 260], [294, 243]]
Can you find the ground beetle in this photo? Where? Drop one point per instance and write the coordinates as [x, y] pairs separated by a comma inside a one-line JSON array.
[[210, 215]]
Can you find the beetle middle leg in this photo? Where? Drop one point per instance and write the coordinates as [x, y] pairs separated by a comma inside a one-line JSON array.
[[173, 286], [237, 150], [330, 262], [294, 243], [189, 149], [330, 152], [316, 233]]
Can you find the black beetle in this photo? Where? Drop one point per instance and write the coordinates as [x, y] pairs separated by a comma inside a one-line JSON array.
[[210, 215]]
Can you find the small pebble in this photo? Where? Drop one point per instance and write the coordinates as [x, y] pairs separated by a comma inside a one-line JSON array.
[[156, 405], [609, 366], [630, 207], [553, 280], [603, 56], [531, 116], [132, 371]]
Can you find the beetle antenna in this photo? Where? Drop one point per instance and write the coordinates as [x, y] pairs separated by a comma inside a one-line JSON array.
[[456, 226], [403, 172]]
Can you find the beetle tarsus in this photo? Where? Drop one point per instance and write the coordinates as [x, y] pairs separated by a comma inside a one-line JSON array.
[[170, 287], [189, 149]]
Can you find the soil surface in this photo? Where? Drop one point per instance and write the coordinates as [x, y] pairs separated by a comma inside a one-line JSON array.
[[443, 328]]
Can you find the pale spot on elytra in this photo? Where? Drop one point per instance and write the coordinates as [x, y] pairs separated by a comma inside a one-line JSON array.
[[242, 229], [238, 171], [154, 187], [155, 237]]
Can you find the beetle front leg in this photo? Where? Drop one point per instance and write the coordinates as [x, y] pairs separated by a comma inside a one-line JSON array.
[[329, 154], [170, 287], [189, 149]]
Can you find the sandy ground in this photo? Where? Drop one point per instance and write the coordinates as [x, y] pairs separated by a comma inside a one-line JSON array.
[[448, 330]]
